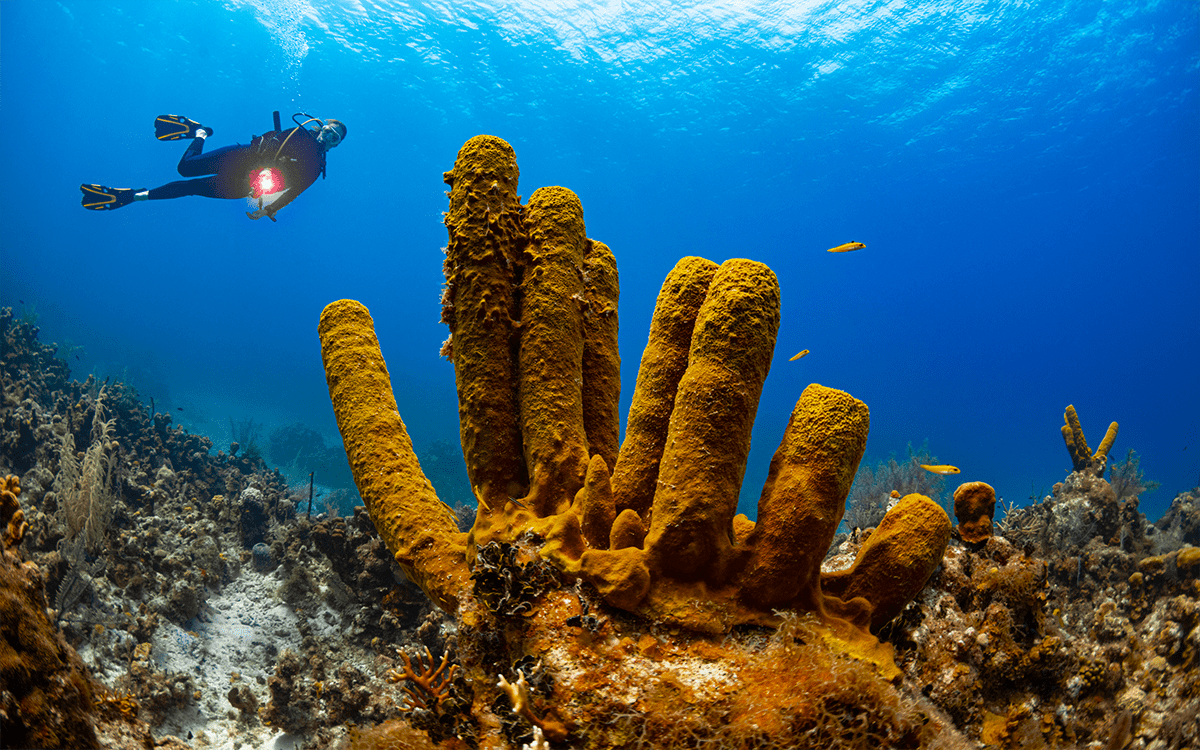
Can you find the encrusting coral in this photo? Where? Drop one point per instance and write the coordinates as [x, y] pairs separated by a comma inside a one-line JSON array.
[[531, 306]]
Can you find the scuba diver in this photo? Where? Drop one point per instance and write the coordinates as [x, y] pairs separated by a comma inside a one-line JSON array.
[[269, 173]]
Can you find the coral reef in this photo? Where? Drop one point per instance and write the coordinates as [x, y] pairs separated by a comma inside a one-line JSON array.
[[1180, 524], [200, 575], [45, 692], [390, 735], [1073, 626], [530, 302], [299, 449]]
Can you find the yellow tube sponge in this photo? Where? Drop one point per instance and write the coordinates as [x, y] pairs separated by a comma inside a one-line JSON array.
[[1076, 442], [594, 505], [551, 352], [1110, 435], [708, 438], [1082, 456], [531, 306], [804, 498], [417, 528], [484, 251], [664, 361], [628, 530], [601, 357], [894, 564]]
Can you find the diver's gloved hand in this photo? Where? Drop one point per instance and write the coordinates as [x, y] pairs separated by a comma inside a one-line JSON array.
[[256, 215], [202, 133]]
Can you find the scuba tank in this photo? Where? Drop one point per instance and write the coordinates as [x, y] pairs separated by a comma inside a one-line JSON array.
[[262, 144]]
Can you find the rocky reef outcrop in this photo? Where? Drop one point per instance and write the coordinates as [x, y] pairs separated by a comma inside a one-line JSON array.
[[154, 586]]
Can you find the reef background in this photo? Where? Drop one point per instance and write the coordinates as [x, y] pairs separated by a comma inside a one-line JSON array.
[[1024, 178], [210, 611]]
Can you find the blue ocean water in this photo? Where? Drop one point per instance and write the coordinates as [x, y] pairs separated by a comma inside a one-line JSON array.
[[1026, 177]]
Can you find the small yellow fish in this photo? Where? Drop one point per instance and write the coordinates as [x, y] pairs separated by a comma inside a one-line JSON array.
[[479, 499], [847, 247], [798, 356], [940, 468]]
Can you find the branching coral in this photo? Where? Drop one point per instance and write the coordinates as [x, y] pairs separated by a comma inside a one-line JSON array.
[[1127, 479], [531, 306], [117, 704], [88, 489], [429, 682]]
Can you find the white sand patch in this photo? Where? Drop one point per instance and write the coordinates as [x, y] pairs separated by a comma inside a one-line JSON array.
[[240, 630]]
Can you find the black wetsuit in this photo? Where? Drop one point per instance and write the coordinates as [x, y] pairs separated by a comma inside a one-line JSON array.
[[301, 161]]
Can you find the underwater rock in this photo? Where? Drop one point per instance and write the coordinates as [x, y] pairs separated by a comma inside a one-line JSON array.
[[263, 561], [1181, 523], [254, 517]]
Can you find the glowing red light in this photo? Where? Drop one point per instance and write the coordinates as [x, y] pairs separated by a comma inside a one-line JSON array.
[[265, 182]]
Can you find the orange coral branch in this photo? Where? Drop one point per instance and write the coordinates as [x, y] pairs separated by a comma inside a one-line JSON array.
[[430, 680]]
